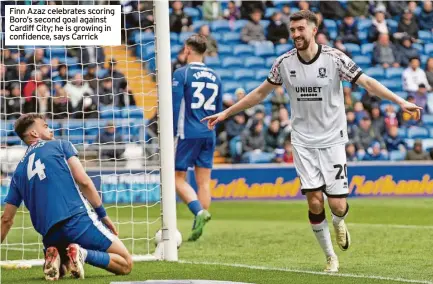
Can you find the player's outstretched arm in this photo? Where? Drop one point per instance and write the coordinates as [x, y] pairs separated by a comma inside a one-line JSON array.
[[7, 220], [89, 191], [374, 87], [250, 100]]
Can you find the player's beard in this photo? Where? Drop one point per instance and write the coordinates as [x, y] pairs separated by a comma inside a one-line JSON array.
[[303, 45]]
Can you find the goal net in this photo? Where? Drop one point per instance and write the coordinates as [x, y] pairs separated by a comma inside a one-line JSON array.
[[103, 99]]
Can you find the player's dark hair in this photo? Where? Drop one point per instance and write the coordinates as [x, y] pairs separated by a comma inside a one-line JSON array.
[[24, 122], [305, 14], [197, 43]]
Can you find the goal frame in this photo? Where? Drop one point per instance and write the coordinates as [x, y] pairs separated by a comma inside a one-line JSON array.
[[166, 144]]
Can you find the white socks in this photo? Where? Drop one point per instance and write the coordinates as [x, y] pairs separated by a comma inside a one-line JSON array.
[[337, 219], [321, 231]]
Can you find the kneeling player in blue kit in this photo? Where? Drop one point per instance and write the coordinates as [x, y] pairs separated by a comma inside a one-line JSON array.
[[54, 187]]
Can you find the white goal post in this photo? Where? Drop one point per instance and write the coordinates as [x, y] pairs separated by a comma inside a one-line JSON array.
[[137, 190]]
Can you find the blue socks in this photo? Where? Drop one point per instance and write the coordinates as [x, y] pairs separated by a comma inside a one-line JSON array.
[[97, 258], [195, 207]]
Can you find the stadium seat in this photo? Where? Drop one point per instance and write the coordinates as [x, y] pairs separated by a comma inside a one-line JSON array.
[[212, 62], [109, 112], [55, 51], [232, 62], [174, 38], [239, 24], [364, 24], [402, 94], [330, 24], [353, 48], [55, 126], [419, 47], [143, 37], [409, 142], [431, 132], [224, 74], [362, 60], [252, 85], [230, 87], [397, 156], [192, 12], [376, 72], [262, 74], [416, 132], [132, 112], [357, 95], [384, 104], [244, 75], [392, 24], [264, 49], [184, 36], [394, 73], [265, 24], [231, 38], [427, 144], [427, 119], [196, 25], [283, 48], [425, 36], [74, 128], [367, 48], [428, 49], [175, 50], [220, 26], [393, 84], [254, 62], [93, 125], [225, 50], [147, 51], [402, 132], [243, 50], [270, 61], [362, 35], [270, 11]]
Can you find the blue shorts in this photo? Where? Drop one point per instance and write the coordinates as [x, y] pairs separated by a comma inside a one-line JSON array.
[[83, 229], [195, 152]]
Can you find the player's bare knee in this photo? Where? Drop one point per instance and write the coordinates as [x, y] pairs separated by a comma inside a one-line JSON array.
[[316, 205], [128, 266]]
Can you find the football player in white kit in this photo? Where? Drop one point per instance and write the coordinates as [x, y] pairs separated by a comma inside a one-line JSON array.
[[312, 75]]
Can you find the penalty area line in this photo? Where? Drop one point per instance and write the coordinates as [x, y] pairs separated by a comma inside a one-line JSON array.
[[344, 275]]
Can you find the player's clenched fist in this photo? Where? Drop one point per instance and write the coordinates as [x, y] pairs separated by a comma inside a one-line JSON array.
[[214, 119], [411, 108]]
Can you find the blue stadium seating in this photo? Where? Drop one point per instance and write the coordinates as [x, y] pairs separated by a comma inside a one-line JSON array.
[[254, 62], [362, 60], [357, 95], [230, 86], [232, 62], [393, 73], [364, 24], [184, 36], [265, 24], [231, 38], [264, 49], [252, 85], [402, 132], [93, 125], [192, 12], [109, 112], [427, 144], [174, 38], [220, 26], [397, 156], [353, 48], [243, 50], [362, 35], [212, 62], [262, 74], [427, 119], [225, 50], [425, 36], [394, 85], [132, 112], [367, 48], [244, 75], [416, 132], [225, 74], [376, 72], [238, 25], [198, 24], [431, 132], [392, 24], [428, 49], [330, 24], [143, 37], [419, 47], [175, 50], [283, 48], [402, 94], [270, 61]]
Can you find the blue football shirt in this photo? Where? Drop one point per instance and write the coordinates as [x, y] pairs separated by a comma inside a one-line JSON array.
[[196, 94], [44, 182]]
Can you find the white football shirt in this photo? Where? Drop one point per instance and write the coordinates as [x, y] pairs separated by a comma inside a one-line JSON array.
[[316, 94]]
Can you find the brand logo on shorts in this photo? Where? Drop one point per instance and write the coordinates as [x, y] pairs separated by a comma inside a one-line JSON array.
[[322, 72]]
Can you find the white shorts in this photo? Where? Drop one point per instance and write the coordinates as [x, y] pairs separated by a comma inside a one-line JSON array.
[[322, 169]]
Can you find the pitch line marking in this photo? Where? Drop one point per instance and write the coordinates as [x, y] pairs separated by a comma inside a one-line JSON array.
[[345, 275]]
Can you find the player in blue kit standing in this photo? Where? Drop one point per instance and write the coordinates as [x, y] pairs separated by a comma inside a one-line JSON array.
[[196, 94], [51, 181]]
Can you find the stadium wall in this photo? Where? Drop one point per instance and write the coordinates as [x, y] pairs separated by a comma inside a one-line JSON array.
[[269, 182]]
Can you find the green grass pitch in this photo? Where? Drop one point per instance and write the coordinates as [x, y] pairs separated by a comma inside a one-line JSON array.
[[269, 242]]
